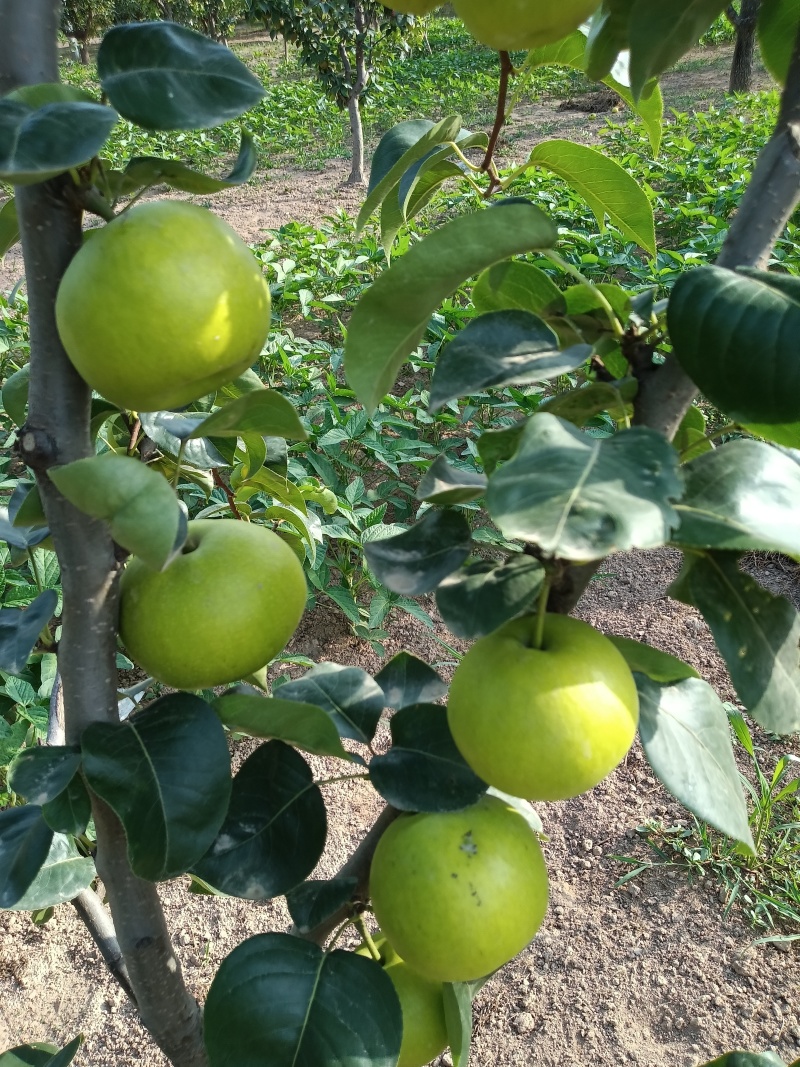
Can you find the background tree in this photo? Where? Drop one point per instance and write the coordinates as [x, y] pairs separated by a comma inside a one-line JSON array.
[[344, 42], [84, 19], [744, 20]]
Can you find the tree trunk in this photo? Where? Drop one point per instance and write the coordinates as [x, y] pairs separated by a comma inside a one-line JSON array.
[[57, 431], [741, 80], [357, 130], [83, 50], [358, 85]]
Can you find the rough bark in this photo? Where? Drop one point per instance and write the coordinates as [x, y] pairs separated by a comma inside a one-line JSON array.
[[57, 431], [741, 79], [358, 80]]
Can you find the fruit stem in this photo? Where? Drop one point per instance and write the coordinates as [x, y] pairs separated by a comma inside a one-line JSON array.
[[541, 614], [362, 929]]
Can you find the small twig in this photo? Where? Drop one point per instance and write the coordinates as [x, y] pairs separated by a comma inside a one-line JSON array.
[[134, 438], [98, 922], [506, 70], [226, 489]]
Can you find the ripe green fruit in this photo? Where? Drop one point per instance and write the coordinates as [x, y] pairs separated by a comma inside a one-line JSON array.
[[512, 25], [458, 894], [220, 610], [422, 1004], [162, 306], [549, 723], [415, 7]]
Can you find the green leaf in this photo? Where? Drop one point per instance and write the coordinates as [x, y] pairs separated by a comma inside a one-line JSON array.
[[690, 440], [20, 629], [36, 96], [758, 635], [579, 497], [777, 29], [658, 666], [497, 446], [275, 829], [312, 902], [443, 484], [61, 877], [515, 285], [477, 599], [743, 495], [661, 31], [687, 741], [267, 413], [606, 187], [66, 1054], [9, 228], [391, 317], [165, 772], [170, 429], [305, 726], [423, 770], [148, 170], [38, 143], [15, 394], [282, 1001], [748, 1059], [24, 844], [40, 774], [38, 1055], [407, 680], [353, 699], [139, 505], [497, 349], [25, 506], [580, 405], [458, 1017], [165, 77], [417, 560], [782, 433], [734, 335], [69, 812]]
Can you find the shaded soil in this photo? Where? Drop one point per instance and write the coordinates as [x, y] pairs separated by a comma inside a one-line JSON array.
[[650, 973]]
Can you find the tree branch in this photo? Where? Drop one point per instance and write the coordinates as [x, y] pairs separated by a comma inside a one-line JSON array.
[[506, 69]]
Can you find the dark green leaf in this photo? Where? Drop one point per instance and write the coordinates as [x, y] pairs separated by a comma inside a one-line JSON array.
[[165, 77], [458, 1016], [62, 876], [718, 320], [67, 1054], [24, 844], [147, 170], [165, 772], [517, 285], [581, 498], [391, 317], [40, 774], [168, 429], [777, 29], [15, 394], [757, 633], [267, 413], [477, 599], [496, 446], [28, 1056], [423, 770], [25, 506], [417, 560], [9, 227], [348, 694], [139, 505], [687, 741], [305, 726], [20, 629], [280, 1001], [407, 680], [657, 665], [23, 537], [661, 31], [443, 484], [743, 495], [70, 811], [275, 829], [580, 405], [497, 349], [38, 143], [748, 1059], [312, 902]]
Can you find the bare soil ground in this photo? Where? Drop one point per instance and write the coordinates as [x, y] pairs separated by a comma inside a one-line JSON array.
[[651, 974]]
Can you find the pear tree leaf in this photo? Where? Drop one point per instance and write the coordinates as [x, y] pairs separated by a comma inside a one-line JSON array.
[[517, 286], [275, 829], [657, 665], [170, 430], [36, 143], [266, 412], [392, 315], [138, 503], [423, 770], [580, 497], [777, 29], [40, 774], [477, 599], [444, 484], [9, 227], [149, 170], [748, 1059], [406, 680], [15, 394], [312, 902], [163, 76], [349, 695], [305, 726], [497, 349], [661, 31], [64, 873], [418, 559], [25, 840], [165, 772], [282, 1001], [687, 741], [458, 1018], [743, 495], [70, 810], [758, 635], [20, 629]]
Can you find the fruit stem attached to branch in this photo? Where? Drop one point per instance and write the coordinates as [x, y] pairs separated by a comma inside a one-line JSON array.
[[541, 613]]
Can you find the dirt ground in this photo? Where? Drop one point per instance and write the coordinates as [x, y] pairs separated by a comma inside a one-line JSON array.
[[651, 973]]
